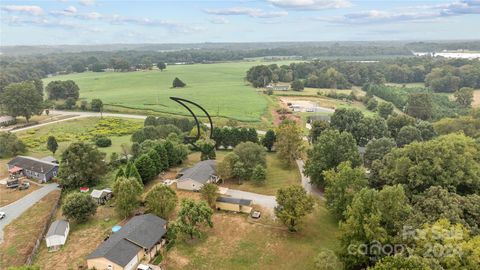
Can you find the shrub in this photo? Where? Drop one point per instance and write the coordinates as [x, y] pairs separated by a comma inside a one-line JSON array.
[[178, 83], [103, 142]]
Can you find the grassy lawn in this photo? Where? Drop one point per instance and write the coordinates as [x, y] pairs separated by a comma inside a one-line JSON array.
[[82, 240], [9, 195], [220, 88], [278, 176], [235, 243], [21, 234]]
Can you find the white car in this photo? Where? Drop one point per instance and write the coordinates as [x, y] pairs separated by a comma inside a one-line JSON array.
[[143, 267], [2, 215]]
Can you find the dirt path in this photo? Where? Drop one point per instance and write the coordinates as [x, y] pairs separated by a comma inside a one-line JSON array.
[[476, 98]]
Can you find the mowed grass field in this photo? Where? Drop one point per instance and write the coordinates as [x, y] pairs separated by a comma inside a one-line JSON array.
[[219, 87]]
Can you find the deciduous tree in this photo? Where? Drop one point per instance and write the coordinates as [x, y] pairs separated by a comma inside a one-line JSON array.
[[209, 193], [293, 204], [161, 200], [127, 195], [79, 207], [52, 144], [269, 140], [289, 144], [21, 99], [192, 215]]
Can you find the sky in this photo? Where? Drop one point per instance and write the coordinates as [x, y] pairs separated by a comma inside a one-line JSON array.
[[85, 22]]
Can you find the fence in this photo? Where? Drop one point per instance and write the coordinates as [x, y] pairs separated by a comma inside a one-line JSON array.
[[44, 231]]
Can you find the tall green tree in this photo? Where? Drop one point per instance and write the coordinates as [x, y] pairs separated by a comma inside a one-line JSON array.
[[373, 217], [289, 144], [377, 149], [127, 195], [192, 216], [318, 127], [385, 109], [331, 149], [156, 160], [451, 161], [250, 154], [21, 99], [225, 167], [259, 175], [209, 193], [419, 105], [161, 66], [81, 165], [10, 145], [52, 144], [207, 149], [346, 119], [96, 105], [408, 134], [63, 90], [341, 185], [146, 168], [162, 153], [464, 96], [293, 204], [161, 200], [269, 140], [79, 207]]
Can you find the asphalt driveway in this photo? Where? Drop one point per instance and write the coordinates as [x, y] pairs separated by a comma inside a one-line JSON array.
[[16, 208], [266, 201]]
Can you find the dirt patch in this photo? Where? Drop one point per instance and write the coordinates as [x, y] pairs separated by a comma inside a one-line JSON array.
[[21, 234]]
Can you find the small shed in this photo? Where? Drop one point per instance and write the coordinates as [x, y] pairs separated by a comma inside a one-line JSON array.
[[101, 196], [57, 234], [234, 204]]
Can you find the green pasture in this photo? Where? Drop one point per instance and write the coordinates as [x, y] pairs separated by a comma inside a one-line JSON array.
[[219, 87]]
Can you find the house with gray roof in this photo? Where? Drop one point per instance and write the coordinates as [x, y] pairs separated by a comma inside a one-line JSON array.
[[195, 177], [35, 168], [141, 238], [57, 234]]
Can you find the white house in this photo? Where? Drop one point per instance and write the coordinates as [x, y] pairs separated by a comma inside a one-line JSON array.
[[195, 177], [57, 234]]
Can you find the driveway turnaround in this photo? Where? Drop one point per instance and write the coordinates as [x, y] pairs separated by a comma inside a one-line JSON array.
[[16, 208]]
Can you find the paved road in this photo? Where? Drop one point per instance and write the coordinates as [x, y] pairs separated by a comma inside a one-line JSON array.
[[306, 182], [16, 208], [266, 201]]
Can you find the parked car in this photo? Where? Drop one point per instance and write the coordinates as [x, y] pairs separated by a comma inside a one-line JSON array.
[[24, 185], [256, 214], [143, 267], [2, 215]]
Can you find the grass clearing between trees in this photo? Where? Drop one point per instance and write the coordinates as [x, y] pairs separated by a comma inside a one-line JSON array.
[[235, 243]]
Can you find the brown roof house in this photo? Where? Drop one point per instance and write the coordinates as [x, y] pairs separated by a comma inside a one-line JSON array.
[[141, 238], [195, 177]]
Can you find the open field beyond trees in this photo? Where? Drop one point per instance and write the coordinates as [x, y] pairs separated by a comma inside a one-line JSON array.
[[220, 88]]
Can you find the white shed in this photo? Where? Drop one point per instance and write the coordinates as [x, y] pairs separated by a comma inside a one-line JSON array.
[[57, 234]]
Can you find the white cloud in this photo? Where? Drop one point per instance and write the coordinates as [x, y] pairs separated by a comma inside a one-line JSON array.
[[71, 9], [87, 2], [218, 20], [251, 12], [33, 10], [311, 4], [412, 13]]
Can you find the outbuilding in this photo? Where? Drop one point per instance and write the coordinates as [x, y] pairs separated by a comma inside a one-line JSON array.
[[101, 196], [234, 204], [57, 234]]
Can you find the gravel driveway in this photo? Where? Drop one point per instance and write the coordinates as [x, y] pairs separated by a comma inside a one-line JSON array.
[[16, 208], [266, 201]]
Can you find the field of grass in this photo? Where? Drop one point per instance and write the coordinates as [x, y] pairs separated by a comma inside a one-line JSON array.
[[20, 235], [83, 129], [235, 243], [220, 88]]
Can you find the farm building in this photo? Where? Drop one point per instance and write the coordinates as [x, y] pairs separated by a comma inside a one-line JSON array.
[[30, 167], [195, 177], [101, 196], [57, 234], [234, 204], [278, 87], [140, 239]]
